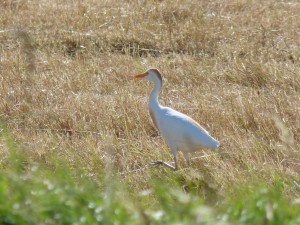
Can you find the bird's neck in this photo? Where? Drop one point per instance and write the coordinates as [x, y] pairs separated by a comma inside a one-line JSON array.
[[153, 99]]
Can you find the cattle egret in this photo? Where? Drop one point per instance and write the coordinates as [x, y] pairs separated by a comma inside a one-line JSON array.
[[180, 132]]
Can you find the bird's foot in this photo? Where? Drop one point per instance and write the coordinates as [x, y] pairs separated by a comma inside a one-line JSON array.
[[157, 162], [160, 162]]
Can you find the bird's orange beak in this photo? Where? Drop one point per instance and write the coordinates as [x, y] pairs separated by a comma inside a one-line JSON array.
[[140, 75]]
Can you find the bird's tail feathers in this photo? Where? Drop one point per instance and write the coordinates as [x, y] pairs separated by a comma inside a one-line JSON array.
[[214, 144]]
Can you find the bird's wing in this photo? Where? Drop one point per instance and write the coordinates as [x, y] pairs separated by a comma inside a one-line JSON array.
[[181, 128], [181, 120]]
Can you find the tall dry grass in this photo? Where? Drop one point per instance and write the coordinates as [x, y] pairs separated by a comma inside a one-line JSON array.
[[66, 89]]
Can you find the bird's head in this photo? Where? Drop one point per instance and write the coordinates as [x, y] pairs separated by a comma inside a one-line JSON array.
[[151, 74]]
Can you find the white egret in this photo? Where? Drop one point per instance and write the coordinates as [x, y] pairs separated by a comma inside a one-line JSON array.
[[180, 132]]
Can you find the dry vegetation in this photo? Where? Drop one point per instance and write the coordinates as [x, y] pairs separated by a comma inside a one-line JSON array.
[[66, 89]]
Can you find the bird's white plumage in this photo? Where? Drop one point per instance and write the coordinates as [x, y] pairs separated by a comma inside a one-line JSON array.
[[179, 130], [186, 133]]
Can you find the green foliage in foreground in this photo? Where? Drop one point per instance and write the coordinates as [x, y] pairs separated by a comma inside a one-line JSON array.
[[257, 204], [37, 194]]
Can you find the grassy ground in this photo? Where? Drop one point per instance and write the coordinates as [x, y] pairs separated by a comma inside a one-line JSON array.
[[76, 137]]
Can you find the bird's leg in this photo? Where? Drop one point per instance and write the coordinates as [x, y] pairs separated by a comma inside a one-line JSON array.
[[175, 160], [187, 158], [160, 162], [188, 162]]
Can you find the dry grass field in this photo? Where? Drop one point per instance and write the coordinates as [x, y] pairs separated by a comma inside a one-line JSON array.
[[67, 93]]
